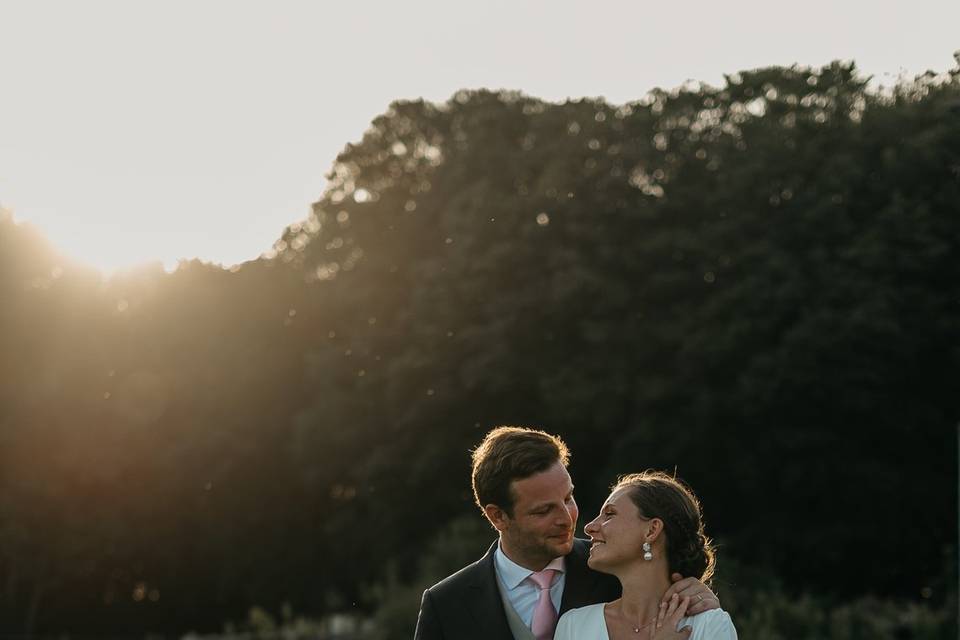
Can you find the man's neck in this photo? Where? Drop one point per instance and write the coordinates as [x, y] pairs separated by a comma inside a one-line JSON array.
[[533, 564]]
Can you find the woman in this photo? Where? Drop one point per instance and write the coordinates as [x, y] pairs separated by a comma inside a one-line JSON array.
[[648, 528]]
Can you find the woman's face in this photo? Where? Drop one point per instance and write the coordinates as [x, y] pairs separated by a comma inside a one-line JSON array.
[[618, 533]]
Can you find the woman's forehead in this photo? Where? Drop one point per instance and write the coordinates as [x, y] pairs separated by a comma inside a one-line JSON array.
[[618, 497]]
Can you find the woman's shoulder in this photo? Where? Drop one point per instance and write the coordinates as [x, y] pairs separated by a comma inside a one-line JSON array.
[[715, 624], [583, 614], [575, 622]]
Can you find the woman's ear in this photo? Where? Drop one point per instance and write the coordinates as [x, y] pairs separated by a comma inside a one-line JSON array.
[[654, 529]]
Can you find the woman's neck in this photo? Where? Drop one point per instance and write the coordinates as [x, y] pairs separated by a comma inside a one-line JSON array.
[[643, 589]]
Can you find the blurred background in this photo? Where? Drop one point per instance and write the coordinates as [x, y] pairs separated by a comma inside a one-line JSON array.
[[750, 278]]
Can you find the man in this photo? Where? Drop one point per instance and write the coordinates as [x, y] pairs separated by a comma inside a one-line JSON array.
[[536, 570]]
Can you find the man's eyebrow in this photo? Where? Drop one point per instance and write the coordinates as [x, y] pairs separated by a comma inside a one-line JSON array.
[[540, 506]]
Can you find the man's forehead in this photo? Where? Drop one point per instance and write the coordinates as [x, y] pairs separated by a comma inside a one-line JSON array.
[[546, 486]]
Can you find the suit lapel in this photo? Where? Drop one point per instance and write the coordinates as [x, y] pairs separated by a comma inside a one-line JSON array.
[[486, 605], [580, 587]]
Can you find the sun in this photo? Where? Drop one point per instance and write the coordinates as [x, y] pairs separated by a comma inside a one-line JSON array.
[[109, 249]]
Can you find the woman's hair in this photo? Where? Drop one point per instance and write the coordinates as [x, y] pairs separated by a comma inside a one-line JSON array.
[[657, 495]]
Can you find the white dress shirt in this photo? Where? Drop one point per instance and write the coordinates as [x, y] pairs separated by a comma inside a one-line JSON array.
[[522, 593]]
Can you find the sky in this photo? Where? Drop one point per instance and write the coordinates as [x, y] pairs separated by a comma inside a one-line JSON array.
[[137, 131]]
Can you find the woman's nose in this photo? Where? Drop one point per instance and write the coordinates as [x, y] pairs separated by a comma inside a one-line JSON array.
[[590, 527]]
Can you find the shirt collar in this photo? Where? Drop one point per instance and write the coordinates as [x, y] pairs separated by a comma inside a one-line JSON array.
[[512, 574]]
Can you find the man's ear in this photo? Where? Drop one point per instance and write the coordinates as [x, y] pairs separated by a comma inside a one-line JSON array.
[[497, 517]]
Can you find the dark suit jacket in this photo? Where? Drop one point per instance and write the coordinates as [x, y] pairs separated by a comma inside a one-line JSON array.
[[467, 605]]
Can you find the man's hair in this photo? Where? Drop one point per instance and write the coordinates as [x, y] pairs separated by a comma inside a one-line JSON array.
[[512, 453]]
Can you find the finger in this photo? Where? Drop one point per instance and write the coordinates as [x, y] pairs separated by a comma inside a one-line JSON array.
[[679, 584], [662, 614], [699, 605], [690, 587], [673, 619], [674, 603], [668, 594], [679, 612]]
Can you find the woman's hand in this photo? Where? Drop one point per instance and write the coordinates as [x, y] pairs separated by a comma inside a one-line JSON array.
[[701, 598], [668, 619]]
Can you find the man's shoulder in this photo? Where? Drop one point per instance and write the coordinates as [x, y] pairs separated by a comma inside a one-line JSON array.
[[579, 554], [580, 551], [585, 585], [468, 576]]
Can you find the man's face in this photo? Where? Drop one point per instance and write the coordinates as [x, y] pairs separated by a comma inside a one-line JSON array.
[[543, 521]]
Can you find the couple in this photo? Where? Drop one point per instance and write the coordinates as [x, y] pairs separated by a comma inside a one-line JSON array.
[[649, 530]]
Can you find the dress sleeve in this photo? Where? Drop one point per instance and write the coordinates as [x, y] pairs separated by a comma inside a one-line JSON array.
[[565, 627], [713, 625]]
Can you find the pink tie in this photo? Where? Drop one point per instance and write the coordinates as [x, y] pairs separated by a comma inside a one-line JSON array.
[[544, 616]]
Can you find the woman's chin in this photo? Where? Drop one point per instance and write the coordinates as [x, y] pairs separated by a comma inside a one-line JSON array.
[[595, 563]]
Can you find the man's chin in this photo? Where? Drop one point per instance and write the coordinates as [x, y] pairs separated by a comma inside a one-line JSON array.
[[561, 546]]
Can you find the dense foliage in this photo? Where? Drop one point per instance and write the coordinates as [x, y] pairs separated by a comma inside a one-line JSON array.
[[754, 284]]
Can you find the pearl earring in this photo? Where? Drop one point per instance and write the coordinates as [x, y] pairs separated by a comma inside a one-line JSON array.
[[646, 552]]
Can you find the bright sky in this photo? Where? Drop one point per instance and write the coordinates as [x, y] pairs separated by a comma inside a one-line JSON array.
[[135, 130]]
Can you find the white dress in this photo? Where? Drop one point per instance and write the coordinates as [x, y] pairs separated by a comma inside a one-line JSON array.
[[587, 623]]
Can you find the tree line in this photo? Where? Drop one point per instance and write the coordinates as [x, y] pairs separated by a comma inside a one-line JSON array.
[[753, 284]]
